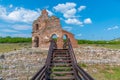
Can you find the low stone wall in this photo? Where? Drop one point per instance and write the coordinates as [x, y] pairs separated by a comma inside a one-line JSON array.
[[21, 64], [93, 55]]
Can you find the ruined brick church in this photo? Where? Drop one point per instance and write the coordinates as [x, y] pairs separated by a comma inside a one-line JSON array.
[[45, 27]]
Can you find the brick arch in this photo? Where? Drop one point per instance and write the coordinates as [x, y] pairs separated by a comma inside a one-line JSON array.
[[53, 36], [71, 37], [65, 35], [59, 40]]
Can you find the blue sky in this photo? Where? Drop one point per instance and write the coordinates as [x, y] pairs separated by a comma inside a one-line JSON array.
[[86, 19]]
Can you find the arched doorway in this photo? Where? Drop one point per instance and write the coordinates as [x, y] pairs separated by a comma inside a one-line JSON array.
[[36, 42]]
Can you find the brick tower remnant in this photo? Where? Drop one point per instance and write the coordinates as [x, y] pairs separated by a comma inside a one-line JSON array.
[[45, 27]]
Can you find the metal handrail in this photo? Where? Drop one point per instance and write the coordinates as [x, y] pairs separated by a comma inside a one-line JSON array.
[[79, 72], [40, 74], [74, 61], [53, 46], [43, 73], [84, 74]]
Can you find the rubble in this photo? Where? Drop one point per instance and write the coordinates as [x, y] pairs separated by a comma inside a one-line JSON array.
[[94, 55], [22, 64]]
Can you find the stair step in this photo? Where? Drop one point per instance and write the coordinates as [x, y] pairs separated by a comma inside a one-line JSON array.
[[61, 64], [61, 72], [61, 56], [62, 52], [60, 75], [61, 61], [61, 69], [60, 49], [63, 78]]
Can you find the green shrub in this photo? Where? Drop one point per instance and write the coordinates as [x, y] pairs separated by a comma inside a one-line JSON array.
[[9, 39]]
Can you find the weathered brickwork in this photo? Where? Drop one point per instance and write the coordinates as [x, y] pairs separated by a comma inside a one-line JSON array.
[[45, 27]]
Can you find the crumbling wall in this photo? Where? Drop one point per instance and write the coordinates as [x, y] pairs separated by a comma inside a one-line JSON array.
[[44, 27]]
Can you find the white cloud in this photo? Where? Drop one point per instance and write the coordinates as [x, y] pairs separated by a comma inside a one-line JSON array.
[[63, 7], [87, 21], [10, 5], [70, 13], [20, 14], [112, 28], [81, 8], [67, 28], [21, 27], [67, 9], [50, 13], [8, 30], [73, 21], [23, 15], [2, 11]]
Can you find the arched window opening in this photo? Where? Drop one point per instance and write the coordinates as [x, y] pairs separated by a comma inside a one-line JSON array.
[[65, 37], [54, 37], [37, 27], [36, 41]]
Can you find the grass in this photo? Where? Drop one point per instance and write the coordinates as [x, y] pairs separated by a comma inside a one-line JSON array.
[[112, 46], [109, 46], [103, 72], [1, 67], [6, 47]]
